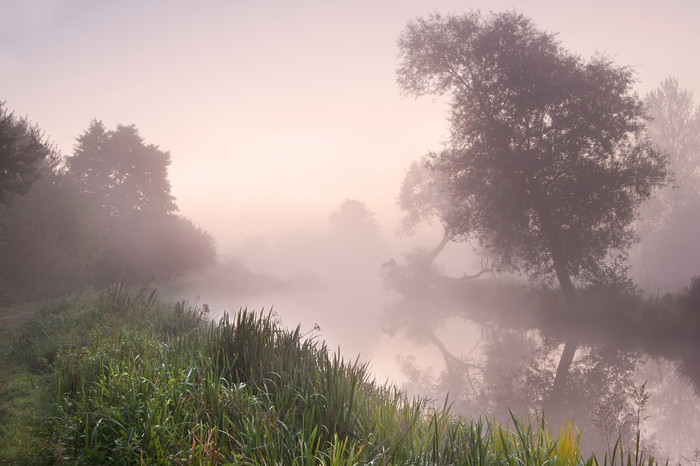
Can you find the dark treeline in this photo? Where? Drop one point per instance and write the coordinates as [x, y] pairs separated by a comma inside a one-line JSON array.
[[101, 215]]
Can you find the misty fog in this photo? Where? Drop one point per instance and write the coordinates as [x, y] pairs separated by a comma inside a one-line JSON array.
[[559, 284], [483, 344]]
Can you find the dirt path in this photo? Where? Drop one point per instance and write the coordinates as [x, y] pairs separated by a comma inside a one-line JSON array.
[[18, 314]]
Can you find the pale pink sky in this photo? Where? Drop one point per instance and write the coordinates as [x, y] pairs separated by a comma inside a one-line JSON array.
[[276, 111]]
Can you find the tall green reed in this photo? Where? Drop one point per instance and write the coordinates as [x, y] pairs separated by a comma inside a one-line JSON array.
[[151, 382]]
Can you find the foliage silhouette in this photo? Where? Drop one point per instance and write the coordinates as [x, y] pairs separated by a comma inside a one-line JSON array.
[[23, 153], [669, 252], [121, 172], [547, 159]]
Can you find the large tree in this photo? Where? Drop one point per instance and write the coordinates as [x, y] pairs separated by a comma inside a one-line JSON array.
[[127, 180], [547, 161], [23, 152], [121, 172]]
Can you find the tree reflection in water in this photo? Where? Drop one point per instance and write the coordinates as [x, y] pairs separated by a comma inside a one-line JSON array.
[[500, 343]]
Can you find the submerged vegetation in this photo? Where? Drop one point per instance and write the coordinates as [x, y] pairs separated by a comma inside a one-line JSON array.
[[122, 377]]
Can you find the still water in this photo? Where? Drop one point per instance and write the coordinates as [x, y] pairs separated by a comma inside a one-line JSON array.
[[487, 354]]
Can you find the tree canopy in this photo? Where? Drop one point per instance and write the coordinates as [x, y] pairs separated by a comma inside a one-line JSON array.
[[670, 253], [127, 180], [23, 151], [675, 128], [354, 219], [423, 196], [122, 172], [547, 159]]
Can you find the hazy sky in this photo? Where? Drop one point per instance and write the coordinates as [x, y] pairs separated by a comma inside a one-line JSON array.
[[276, 111]]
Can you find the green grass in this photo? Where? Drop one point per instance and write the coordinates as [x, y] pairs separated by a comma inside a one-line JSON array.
[[120, 377]]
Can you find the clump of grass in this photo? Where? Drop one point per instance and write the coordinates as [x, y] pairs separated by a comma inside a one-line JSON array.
[[134, 380]]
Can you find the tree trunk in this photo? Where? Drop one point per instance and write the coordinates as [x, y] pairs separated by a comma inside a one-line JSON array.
[[552, 232], [438, 249], [554, 402]]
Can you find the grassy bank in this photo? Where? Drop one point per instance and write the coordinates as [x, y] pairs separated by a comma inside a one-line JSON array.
[[121, 377]]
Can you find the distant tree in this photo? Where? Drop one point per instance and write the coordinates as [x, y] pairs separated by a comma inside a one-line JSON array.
[[670, 252], [675, 128], [355, 238], [23, 152], [121, 172], [547, 160], [354, 219], [127, 180]]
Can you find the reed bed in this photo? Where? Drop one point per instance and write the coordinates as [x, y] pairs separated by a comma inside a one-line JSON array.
[[128, 379]]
